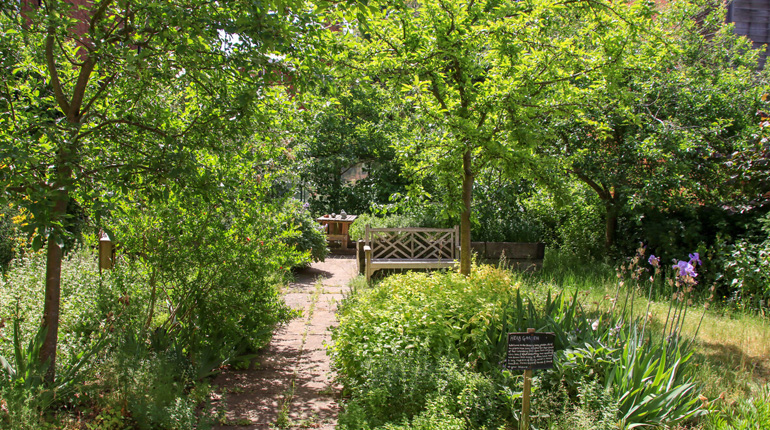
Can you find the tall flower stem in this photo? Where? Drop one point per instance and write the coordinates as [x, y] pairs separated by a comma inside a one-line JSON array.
[[647, 312], [668, 315]]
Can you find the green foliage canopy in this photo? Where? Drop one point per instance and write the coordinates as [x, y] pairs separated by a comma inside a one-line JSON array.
[[353, 129]]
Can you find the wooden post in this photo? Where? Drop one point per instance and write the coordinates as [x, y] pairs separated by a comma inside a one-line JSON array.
[[360, 257], [106, 260], [525, 403]]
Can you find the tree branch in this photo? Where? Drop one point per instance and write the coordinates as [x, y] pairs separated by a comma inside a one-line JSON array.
[[10, 102], [98, 15], [61, 99], [80, 89], [102, 86], [603, 193], [70, 59], [127, 122], [436, 93]]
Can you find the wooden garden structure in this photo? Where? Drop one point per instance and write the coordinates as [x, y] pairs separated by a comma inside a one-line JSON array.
[[410, 248]]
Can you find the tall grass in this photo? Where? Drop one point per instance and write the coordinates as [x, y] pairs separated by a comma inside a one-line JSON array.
[[731, 349], [565, 270]]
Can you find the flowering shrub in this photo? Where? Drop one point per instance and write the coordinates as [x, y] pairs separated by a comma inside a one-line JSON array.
[[12, 240]]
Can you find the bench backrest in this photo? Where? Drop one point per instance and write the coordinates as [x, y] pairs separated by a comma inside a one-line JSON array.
[[414, 243]]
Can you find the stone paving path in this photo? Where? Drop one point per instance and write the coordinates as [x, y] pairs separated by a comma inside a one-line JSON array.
[[290, 384]]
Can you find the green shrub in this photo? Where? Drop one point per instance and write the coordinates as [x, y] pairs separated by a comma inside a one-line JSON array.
[[186, 296], [7, 249], [211, 272], [590, 407], [499, 212], [399, 346], [19, 409], [103, 354], [747, 274], [572, 222], [310, 237], [445, 312], [409, 386], [437, 415], [155, 392]]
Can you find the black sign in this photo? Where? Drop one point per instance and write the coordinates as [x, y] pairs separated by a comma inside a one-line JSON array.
[[528, 351]]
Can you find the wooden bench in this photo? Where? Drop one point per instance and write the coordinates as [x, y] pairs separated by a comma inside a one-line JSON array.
[[410, 248]]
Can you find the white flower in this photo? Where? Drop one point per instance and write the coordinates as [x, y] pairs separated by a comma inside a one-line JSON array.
[[595, 325]]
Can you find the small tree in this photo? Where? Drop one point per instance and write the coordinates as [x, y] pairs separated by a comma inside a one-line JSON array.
[[658, 130], [111, 96], [483, 78]]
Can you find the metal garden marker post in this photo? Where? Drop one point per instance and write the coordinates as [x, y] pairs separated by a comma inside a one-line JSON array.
[[528, 351]]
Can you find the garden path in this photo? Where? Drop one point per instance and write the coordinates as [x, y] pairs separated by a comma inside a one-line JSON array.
[[290, 385]]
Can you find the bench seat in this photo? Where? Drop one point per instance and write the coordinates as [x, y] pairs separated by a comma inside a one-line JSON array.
[[410, 248], [427, 263]]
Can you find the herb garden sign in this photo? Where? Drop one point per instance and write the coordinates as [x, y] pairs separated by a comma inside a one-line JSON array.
[[528, 351]]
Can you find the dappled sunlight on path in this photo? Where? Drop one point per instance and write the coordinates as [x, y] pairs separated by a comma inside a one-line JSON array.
[[290, 384]]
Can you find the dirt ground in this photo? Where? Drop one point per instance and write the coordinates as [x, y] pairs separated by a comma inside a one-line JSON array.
[[290, 385]]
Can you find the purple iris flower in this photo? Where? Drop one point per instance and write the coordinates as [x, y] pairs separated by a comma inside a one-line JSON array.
[[654, 261], [685, 269], [695, 258]]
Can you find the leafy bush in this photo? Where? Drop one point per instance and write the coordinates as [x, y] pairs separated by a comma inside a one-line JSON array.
[[99, 312], [19, 410], [746, 274], [195, 287], [12, 241], [310, 237], [217, 267], [572, 221], [396, 354], [590, 407], [499, 211], [407, 386], [7, 251]]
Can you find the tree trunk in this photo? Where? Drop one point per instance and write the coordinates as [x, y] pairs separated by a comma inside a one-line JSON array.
[[52, 293], [55, 254], [610, 224], [465, 220]]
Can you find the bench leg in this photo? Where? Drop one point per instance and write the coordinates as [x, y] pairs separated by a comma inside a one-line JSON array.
[[369, 270]]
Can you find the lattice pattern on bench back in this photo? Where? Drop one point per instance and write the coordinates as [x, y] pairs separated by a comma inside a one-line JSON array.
[[413, 243]]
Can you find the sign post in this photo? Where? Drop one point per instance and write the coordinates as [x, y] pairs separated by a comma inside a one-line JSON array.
[[528, 351], [525, 400], [106, 252]]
